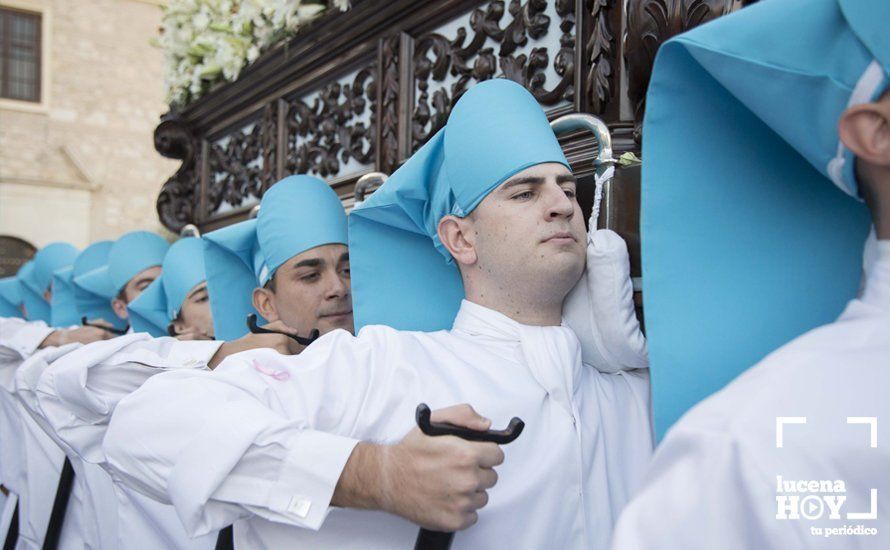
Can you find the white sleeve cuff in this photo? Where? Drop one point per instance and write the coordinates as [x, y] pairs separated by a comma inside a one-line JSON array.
[[193, 353], [28, 338], [309, 475]]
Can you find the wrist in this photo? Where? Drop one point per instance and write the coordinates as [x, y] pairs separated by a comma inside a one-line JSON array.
[[55, 339], [362, 483], [221, 353]]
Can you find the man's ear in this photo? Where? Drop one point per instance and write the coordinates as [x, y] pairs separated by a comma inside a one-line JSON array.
[[456, 234], [264, 303], [865, 130], [120, 308], [179, 326]]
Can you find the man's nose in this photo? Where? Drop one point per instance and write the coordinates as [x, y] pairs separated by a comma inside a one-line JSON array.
[[337, 287], [559, 205]]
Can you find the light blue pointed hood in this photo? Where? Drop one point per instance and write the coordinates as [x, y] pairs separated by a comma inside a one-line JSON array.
[[746, 243], [92, 287], [63, 305], [23, 273], [37, 279], [402, 276], [128, 256], [160, 302], [133, 253], [11, 297], [297, 214]]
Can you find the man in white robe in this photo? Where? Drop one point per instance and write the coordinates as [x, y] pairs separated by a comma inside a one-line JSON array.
[[73, 416], [31, 461], [281, 442], [789, 454], [77, 394], [117, 272]]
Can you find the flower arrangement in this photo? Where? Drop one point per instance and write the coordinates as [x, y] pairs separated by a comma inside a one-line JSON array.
[[210, 41]]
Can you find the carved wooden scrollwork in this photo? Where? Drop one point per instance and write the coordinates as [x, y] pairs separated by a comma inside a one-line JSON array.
[[471, 57], [241, 164], [649, 24], [322, 136], [600, 53], [178, 199], [358, 91], [388, 124]]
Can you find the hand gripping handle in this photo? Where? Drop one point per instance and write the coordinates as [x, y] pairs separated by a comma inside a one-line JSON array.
[[437, 540]]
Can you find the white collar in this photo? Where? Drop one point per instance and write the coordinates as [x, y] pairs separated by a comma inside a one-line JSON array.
[[478, 320], [877, 283], [552, 354]]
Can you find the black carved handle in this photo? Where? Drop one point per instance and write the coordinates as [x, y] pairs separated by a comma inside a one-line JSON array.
[[112, 330], [437, 540], [256, 329]]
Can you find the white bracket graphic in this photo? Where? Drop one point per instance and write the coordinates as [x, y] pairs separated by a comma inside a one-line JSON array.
[[872, 421], [872, 509], [780, 425]]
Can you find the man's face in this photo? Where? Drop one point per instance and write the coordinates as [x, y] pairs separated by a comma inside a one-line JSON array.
[[310, 290], [195, 316], [529, 232], [133, 289]]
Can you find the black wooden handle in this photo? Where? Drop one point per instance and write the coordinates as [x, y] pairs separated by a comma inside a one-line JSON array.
[[256, 329], [112, 330], [501, 437], [438, 540]]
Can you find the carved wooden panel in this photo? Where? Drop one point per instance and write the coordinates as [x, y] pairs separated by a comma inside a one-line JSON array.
[[332, 130], [178, 201], [649, 24], [388, 100], [241, 164], [531, 42], [360, 91]]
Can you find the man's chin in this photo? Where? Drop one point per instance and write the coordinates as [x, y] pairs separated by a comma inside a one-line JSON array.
[[333, 322], [563, 265]]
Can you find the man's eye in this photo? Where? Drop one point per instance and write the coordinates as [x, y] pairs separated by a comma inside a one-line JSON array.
[[523, 196], [346, 272], [310, 278], [570, 193]]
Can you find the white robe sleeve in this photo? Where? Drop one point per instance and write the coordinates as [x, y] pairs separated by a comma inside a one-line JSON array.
[[79, 391], [26, 380], [251, 436], [21, 337], [704, 490]]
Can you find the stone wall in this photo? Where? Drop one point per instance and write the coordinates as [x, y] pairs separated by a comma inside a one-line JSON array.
[[80, 165]]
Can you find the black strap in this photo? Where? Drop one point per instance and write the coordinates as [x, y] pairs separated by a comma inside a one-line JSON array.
[[12, 534], [226, 539], [112, 330], [57, 518], [256, 329]]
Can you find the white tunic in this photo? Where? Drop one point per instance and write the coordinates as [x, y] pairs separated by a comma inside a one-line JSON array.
[[248, 442], [32, 462], [718, 479], [19, 339], [77, 394], [46, 453]]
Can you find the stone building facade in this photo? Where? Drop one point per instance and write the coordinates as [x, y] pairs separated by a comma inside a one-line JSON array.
[[78, 164]]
